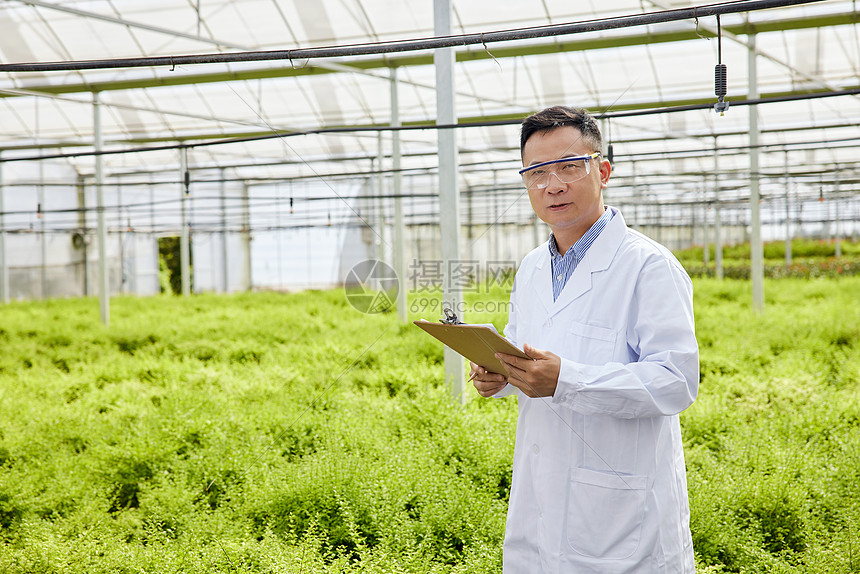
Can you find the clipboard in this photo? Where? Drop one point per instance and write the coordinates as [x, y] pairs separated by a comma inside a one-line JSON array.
[[478, 343]]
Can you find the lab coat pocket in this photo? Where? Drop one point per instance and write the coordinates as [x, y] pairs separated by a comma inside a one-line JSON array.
[[590, 344], [605, 512]]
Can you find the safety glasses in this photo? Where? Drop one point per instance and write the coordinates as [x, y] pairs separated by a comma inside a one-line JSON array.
[[567, 170]]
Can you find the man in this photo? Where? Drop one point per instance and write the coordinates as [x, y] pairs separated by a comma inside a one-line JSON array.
[[599, 484]]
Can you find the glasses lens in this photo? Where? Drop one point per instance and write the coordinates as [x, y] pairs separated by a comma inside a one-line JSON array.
[[567, 171]]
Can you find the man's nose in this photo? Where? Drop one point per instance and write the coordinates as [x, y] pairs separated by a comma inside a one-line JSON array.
[[554, 183]]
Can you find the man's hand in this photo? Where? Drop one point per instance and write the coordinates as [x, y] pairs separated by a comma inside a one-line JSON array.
[[486, 383], [535, 378]]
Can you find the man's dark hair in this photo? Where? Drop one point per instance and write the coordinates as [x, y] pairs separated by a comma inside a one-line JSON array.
[[559, 116]]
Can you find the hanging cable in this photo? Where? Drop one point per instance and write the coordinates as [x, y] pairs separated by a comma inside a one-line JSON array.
[[400, 46], [720, 83]]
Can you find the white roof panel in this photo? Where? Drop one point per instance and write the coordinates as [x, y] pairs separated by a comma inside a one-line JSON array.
[[150, 106]]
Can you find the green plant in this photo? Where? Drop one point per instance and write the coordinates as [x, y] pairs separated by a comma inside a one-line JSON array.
[[278, 433]]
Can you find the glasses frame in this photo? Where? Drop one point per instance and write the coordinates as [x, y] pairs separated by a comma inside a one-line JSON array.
[[587, 158]]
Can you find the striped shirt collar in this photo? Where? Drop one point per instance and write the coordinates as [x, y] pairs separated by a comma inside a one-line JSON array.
[[562, 266], [583, 243]]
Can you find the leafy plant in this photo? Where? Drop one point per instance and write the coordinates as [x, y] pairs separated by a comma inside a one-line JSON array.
[[290, 433]]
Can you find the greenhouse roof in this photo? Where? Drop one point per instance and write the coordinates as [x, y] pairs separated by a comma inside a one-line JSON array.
[[627, 73]]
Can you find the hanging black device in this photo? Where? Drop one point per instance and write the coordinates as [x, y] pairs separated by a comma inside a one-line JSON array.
[[720, 82]]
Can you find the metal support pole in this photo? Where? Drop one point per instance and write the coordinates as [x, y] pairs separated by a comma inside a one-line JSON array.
[[376, 201], [718, 242], [120, 244], [694, 224], [756, 248], [399, 228], [43, 236], [787, 214], [706, 237], [718, 239], [637, 199], [152, 212], [131, 249], [225, 236], [835, 202], [82, 225], [380, 191], [4, 268], [827, 222], [184, 251], [449, 194], [414, 233], [470, 223], [279, 234], [493, 236], [246, 237], [104, 285]]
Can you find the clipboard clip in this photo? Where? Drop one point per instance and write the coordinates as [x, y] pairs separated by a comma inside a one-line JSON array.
[[450, 317]]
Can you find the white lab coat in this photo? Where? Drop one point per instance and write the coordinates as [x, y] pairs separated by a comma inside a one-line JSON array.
[[599, 483]]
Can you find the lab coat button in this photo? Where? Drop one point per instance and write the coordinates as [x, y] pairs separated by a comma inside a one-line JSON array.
[[535, 448], [548, 323]]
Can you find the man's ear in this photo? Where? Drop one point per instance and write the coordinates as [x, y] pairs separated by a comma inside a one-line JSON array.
[[605, 172]]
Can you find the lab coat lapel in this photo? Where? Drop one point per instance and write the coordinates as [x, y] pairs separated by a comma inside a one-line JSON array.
[[540, 283], [578, 284], [597, 258]]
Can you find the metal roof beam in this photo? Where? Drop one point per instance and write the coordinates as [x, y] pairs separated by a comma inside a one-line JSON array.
[[153, 110], [510, 118], [323, 66], [412, 45], [319, 65]]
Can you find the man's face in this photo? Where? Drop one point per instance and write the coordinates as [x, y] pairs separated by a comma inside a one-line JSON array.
[[568, 208]]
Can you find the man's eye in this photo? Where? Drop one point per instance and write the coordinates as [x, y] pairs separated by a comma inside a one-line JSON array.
[[538, 172], [569, 167]]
